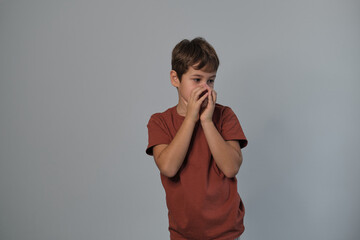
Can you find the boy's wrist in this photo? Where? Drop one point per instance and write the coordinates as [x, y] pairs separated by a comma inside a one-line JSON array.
[[190, 120], [207, 122]]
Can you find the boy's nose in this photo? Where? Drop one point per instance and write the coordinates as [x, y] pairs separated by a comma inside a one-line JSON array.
[[206, 85], [209, 86]]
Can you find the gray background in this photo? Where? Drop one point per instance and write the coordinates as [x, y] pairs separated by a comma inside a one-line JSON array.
[[80, 79]]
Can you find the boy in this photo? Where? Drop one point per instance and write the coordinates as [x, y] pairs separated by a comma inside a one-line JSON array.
[[197, 148]]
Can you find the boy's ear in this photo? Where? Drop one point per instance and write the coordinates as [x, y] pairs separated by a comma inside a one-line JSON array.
[[175, 81]]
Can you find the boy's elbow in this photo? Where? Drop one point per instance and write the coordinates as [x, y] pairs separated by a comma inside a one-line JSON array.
[[167, 171], [165, 166], [231, 172]]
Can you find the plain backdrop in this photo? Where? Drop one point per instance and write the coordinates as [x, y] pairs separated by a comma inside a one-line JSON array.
[[79, 81]]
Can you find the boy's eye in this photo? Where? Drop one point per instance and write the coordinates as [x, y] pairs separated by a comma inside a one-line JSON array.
[[196, 79], [211, 81]]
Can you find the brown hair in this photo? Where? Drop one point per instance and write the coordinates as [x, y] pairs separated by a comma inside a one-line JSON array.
[[197, 53]]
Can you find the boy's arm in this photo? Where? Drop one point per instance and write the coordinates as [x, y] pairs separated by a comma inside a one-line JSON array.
[[169, 157], [227, 154]]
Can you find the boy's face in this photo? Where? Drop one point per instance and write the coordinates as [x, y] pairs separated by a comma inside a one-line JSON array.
[[192, 79]]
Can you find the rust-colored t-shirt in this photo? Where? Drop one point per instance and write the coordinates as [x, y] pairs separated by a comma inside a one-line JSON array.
[[202, 202]]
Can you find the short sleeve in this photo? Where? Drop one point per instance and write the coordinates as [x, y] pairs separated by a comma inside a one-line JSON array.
[[157, 133], [231, 128]]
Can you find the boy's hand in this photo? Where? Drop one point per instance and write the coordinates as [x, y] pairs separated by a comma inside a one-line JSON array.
[[194, 103], [207, 113]]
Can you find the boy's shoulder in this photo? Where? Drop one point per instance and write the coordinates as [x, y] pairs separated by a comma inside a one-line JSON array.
[[161, 118], [221, 108], [166, 113], [222, 112]]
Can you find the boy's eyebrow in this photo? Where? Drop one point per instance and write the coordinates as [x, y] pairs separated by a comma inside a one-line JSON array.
[[199, 75]]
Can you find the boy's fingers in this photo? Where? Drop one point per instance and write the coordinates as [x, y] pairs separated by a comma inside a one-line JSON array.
[[211, 97], [197, 91], [193, 92]]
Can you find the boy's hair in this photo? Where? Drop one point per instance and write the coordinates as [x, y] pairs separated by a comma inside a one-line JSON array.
[[197, 53]]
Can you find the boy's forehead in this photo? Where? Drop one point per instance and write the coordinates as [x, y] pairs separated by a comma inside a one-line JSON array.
[[203, 71]]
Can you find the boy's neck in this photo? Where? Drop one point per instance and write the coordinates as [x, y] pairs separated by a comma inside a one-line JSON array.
[[181, 108]]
